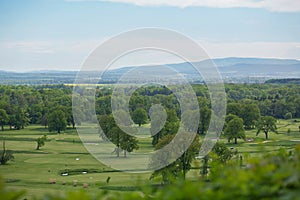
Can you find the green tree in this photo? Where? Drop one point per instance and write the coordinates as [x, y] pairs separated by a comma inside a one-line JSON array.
[[114, 135], [171, 126], [205, 115], [3, 118], [117, 136], [234, 130], [250, 114], [219, 156], [158, 118], [22, 119], [223, 153], [188, 120], [234, 109], [128, 143], [57, 121], [40, 142], [266, 124], [139, 116], [180, 166], [106, 122], [103, 105]]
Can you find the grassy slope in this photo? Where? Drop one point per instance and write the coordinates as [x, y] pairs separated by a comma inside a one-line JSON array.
[[32, 169]]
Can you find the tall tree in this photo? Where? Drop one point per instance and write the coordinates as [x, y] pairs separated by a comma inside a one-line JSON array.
[[266, 124], [140, 116], [110, 131], [106, 122], [57, 121], [171, 126], [234, 109], [250, 114], [114, 135], [235, 129], [3, 118], [122, 140], [22, 119], [205, 115], [128, 143]]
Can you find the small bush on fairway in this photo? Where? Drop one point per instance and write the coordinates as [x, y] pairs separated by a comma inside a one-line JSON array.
[[5, 155]]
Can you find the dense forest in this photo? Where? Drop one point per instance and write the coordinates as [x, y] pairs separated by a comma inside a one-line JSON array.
[[248, 107], [24, 105]]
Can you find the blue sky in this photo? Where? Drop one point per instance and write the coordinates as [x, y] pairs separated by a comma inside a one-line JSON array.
[[60, 34]]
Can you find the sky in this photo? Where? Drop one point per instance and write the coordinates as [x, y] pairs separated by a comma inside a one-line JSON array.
[[60, 34]]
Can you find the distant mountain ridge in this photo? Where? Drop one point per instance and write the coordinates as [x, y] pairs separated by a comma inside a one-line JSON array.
[[220, 62], [232, 69]]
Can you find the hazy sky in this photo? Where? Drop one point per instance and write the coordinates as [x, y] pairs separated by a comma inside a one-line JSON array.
[[60, 34]]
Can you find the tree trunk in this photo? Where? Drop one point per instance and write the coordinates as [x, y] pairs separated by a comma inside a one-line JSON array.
[[37, 147], [204, 171], [118, 152], [235, 140], [202, 129], [184, 165], [2, 127], [124, 153], [58, 131], [266, 133], [2, 159]]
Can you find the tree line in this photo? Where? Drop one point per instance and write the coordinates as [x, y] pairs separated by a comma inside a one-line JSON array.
[[51, 105]]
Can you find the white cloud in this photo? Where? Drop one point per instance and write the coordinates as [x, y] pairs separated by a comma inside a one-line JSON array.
[[272, 5]]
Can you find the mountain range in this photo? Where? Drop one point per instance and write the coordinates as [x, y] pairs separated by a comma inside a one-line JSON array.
[[238, 70]]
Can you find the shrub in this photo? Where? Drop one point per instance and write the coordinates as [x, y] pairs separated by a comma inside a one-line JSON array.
[[5, 155], [40, 142]]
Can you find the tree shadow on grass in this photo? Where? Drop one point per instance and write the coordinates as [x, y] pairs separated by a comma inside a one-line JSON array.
[[30, 152]]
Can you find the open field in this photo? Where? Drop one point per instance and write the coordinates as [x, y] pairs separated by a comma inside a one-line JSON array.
[[32, 169]]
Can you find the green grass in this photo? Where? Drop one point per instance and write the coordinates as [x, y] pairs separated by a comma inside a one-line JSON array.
[[32, 169], [276, 140]]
